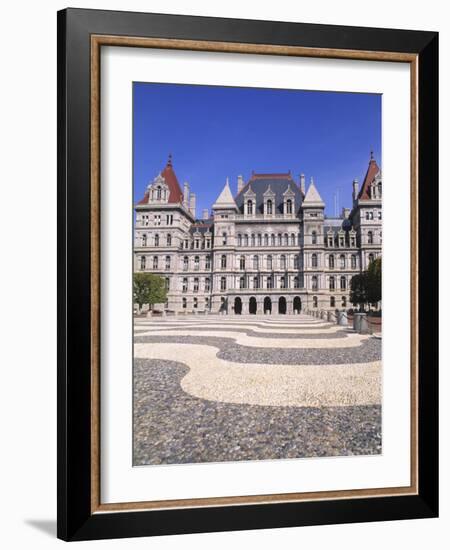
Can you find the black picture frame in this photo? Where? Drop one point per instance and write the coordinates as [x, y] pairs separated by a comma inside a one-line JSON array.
[[75, 478]]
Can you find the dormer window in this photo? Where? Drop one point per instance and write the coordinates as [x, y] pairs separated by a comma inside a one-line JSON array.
[[249, 207], [269, 207], [289, 206]]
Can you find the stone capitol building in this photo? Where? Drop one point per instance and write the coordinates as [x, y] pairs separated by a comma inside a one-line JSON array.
[[267, 249]]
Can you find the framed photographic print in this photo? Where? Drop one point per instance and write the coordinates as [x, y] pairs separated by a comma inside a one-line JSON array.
[[247, 274]]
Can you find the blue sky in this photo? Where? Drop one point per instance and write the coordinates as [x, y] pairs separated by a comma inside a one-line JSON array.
[[215, 132]]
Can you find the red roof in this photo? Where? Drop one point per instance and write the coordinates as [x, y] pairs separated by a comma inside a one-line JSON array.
[[175, 193], [372, 171]]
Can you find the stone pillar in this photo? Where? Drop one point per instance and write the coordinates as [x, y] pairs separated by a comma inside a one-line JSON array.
[[244, 305], [289, 306], [342, 318]]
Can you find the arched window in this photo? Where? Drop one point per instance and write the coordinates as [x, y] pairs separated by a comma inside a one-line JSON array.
[[314, 260], [283, 282], [296, 261], [245, 240], [314, 237], [255, 262], [255, 282], [371, 258], [195, 303], [242, 262], [249, 206], [208, 262], [259, 240], [289, 206], [242, 282], [253, 240], [207, 284], [332, 301], [184, 303], [286, 239], [332, 283], [331, 261], [223, 261], [167, 283], [272, 239], [269, 207], [167, 262], [196, 263], [296, 282], [266, 240], [315, 282], [292, 239], [196, 281], [143, 262], [223, 283], [353, 261], [344, 301], [282, 261], [342, 261], [156, 239], [185, 284], [224, 238], [280, 239], [343, 283], [158, 192], [155, 262], [185, 263], [370, 237], [169, 239], [315, 301], [144, 240], [239, 240], [269, 262], [269, 282]]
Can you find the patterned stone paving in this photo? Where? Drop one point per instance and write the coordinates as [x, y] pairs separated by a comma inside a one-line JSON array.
[[213, 389]]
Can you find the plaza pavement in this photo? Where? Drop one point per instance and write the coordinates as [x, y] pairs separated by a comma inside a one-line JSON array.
[[213, 389]]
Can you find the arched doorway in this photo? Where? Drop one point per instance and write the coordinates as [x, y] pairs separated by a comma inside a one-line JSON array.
[[297, 304], [237, 306], [267, 305], [252, 306], [282, 305]]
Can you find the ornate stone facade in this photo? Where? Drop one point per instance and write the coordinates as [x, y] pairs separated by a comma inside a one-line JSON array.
[[267, 250]]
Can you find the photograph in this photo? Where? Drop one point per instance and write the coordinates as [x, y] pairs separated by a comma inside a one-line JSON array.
[[257, 274]]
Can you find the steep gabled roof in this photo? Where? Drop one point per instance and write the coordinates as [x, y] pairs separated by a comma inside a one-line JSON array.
[[312, 197], [278, 184], [371, 173], [175, 193], [225, 199]]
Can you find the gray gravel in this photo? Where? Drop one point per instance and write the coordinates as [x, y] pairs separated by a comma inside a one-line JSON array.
[[369, 350], [248, 332], [172, 427]]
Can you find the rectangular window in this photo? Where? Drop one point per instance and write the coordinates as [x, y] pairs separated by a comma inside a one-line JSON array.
[[157, 219]]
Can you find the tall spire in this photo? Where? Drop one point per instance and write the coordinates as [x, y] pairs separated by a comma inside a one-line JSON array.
[[225, 199]]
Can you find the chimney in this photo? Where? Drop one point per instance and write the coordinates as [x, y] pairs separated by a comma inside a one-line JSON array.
[[355, 189], [240, 184], [192, 204], [205, 214], [345, 213], [186, 195], [302, 183]]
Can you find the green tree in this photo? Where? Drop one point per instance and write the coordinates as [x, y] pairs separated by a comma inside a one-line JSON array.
[[358, 290], [148, 288], [374, 282]]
